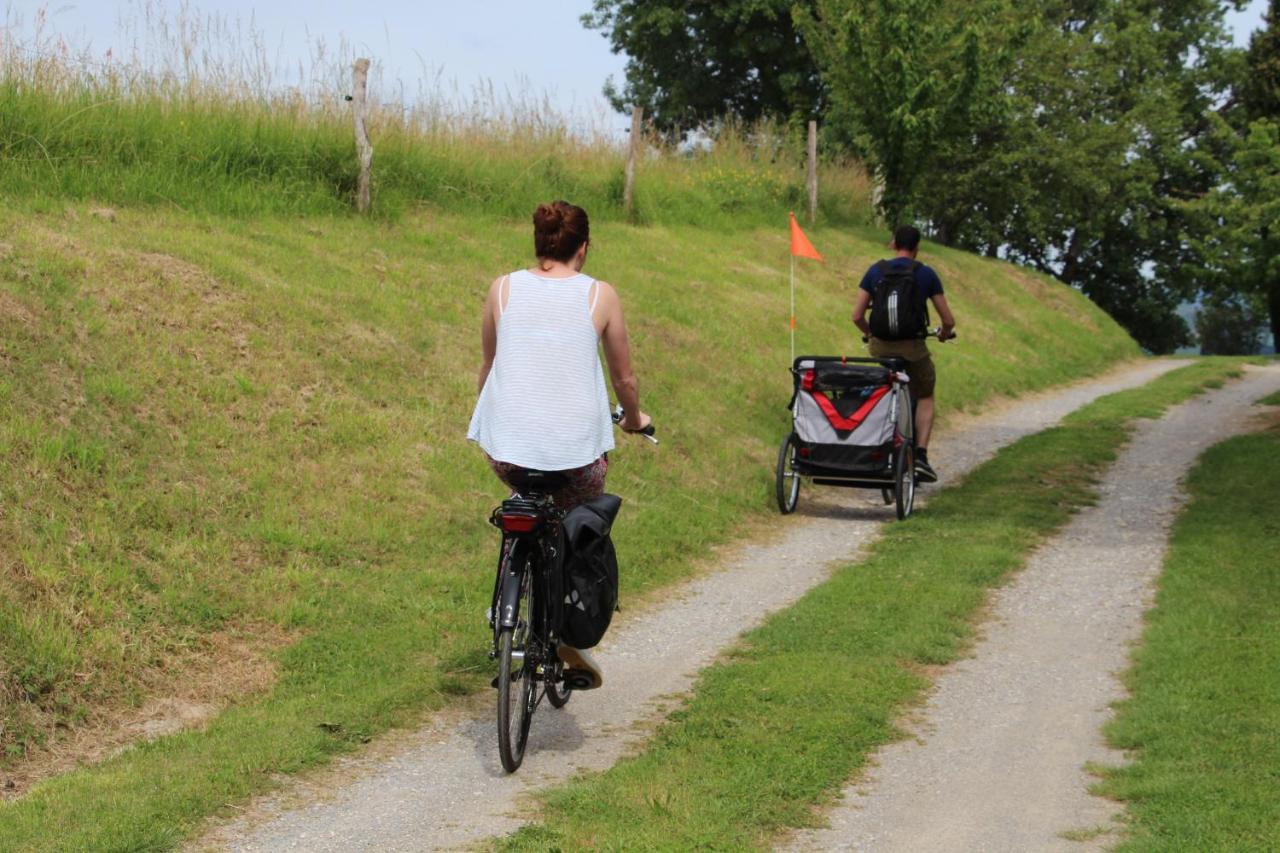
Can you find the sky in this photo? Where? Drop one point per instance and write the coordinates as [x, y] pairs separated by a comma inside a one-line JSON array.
[[521, 47], [539, 49]]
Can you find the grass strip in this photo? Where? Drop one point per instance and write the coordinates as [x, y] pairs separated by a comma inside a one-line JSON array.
[[803, 699], [1204, 714]]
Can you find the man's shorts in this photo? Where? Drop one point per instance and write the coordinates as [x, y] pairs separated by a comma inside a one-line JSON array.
[[919, 363]]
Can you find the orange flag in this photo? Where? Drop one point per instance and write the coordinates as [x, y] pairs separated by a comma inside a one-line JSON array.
[[800, 245]]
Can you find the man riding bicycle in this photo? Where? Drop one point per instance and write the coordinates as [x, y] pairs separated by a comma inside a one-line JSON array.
[[917, 284], [543, 405]]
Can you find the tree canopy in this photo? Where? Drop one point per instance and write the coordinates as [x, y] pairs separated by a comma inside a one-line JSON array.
[[1123, 146], [904, 76], [690, 64]]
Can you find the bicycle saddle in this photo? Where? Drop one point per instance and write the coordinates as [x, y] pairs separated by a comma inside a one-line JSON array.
[[528, 480]]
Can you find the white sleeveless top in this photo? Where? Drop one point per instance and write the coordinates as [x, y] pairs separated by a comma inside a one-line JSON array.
[[544, 404]]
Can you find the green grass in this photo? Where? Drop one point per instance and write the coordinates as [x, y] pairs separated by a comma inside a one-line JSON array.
[[802, 700], [1203, 719], [221, 429], [1271, 400]]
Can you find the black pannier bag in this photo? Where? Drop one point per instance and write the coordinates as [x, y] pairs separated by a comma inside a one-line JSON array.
[[898, 311], [590, 581]]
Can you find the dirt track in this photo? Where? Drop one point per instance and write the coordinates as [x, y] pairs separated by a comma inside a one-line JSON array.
[[999, 763], [445, 788]]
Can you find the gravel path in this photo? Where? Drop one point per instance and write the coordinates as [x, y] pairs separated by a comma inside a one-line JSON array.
[[1004, 737], [446, 789]]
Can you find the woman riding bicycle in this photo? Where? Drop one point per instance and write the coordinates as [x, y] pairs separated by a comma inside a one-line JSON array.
[[543, 404]]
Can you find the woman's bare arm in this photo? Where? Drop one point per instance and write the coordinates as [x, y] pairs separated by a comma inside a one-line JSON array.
[[617, 354], [489, 331]]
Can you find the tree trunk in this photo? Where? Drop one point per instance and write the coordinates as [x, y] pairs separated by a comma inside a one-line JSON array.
[[1071, 261]]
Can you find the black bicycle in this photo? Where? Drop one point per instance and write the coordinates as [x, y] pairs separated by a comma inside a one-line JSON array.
[[525, 612]]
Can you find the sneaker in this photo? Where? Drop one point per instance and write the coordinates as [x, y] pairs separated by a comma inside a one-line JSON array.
[[581, 671], [924, 471]]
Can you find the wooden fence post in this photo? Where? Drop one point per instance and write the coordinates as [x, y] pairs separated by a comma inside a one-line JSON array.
[[633, 151], [360, 85], [812, 182]]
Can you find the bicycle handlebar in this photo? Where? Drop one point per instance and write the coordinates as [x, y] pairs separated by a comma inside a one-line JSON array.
[[647, 432], [929, 333]]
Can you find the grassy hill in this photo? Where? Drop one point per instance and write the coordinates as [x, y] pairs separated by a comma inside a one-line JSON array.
[[235, 440], [233, 479]]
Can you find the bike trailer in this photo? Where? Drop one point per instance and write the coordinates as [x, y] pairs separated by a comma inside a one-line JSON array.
[[851, 425], [843, 416]]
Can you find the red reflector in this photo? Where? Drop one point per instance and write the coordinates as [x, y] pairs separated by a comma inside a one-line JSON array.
[[519, 523], [806, 381], [804, 451]]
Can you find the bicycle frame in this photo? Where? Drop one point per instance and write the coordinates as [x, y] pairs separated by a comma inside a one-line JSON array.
[[537, 552]]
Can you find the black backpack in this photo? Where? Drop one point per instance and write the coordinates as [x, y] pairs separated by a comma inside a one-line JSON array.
[[590, 580], [898, 311]]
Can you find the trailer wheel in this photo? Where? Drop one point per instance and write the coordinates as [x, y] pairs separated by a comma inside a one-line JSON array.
[[788, 482]]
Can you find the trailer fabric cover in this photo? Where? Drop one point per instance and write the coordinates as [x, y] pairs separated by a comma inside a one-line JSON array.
[[812, 424]]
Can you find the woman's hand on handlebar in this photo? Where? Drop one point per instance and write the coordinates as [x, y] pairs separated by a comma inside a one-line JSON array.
[[637, 422], [641, 424]]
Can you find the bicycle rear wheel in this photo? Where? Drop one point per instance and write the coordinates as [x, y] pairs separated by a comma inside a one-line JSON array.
[[557, 693], [515, 705], [904, 480], [517, 682]]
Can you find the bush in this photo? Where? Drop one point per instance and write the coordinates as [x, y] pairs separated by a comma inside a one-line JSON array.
[[1230, 325]]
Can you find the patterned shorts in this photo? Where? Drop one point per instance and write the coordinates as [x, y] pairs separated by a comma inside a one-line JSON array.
[[584, 483]]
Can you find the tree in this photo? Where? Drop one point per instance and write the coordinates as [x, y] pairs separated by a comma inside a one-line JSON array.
[[1236, 237], [1261, 90], [1239, 246], [691, 64], [1105, 139], [1259, 162], [903, 78], [1229, 324]]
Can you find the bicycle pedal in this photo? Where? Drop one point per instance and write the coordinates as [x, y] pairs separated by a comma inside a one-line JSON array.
[[578, 679]]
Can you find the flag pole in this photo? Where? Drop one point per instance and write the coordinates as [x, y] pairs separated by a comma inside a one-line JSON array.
[[793, 309]]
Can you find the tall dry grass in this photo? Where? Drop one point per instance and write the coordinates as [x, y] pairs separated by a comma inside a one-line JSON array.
[[195, 113]]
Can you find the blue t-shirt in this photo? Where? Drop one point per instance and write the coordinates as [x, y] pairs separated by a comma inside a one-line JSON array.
[[930, 284]]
